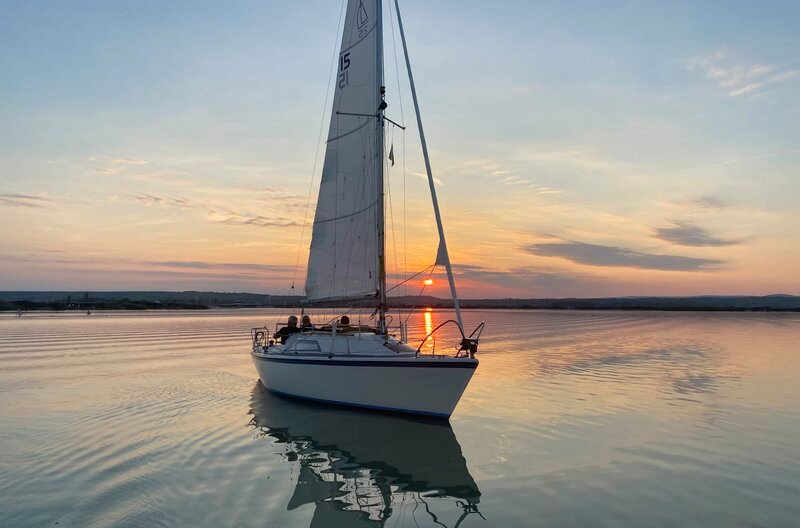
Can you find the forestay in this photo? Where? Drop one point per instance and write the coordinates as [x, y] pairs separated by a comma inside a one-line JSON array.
[[343, 262]]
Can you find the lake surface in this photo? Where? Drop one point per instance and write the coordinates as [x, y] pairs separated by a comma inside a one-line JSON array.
[[572, 419]]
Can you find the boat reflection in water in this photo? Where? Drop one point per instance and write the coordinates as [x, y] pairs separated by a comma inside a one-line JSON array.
[[359, 467]]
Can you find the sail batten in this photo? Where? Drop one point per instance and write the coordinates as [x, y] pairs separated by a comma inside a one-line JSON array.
[[344, 259]]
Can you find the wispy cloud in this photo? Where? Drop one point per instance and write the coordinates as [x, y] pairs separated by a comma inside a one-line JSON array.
[[739, 77], [214, 212], [163, 201], [740, 160], [576, 157], [695, 204], [162, 176], [161, 265], [285, 198], [707, 202], [233, 218], [219, 266], [118, 165], [514, 180], [688, 234], [128, 161], [598, 255], [108, 170], [520, 277], [424, 176], [25, 200], [508, 177]]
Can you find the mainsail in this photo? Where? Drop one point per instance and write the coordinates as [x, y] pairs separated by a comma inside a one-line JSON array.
[[346, 242]]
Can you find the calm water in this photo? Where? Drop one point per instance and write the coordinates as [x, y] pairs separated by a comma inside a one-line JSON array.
[[572, 419]]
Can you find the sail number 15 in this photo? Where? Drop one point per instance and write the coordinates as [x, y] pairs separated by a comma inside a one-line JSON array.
[[344, 64]]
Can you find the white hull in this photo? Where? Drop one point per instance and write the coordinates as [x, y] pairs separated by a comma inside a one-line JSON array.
[[419, 385]]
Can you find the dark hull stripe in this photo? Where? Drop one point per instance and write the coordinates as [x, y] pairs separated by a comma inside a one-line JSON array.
[[368, 363], [360, 405]]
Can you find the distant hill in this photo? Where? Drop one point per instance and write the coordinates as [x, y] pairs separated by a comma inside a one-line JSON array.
[[139, 300], [133, 300], [699, 303]]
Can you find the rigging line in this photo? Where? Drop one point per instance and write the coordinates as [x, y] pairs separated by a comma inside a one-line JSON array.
[[420, 272], [403, 120], [405, 243], [340, 136], [334, 60], [349, 215], [432, 268]]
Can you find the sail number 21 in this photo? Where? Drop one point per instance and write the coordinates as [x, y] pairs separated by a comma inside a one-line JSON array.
[[344, 64]]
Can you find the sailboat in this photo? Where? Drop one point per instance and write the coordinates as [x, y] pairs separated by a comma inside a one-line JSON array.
[[362, 365]]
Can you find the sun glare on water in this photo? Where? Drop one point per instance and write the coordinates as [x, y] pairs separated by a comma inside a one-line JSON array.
[[428, 315]]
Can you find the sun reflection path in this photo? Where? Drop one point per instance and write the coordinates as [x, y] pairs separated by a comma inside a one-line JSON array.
[[429, 326]]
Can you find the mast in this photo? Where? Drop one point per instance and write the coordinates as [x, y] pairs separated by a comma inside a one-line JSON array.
[[380, 106], [442, 254]]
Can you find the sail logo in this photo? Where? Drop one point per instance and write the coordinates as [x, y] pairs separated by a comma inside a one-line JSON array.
[[362, 18]]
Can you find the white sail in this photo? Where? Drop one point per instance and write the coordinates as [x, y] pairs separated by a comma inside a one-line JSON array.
[[344, 259]]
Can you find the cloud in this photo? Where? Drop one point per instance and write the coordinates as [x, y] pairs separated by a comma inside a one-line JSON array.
[[508, 177], [219, 266], [707, 202], [150, 199], [282, 197], [128, 161], [772, 79], [688, 234], [598, 255], [575, 157], [517, 277], [737, 77], [162, 176], [109, 170], [740, 160], [424, 176], [215, 213], [233, 218], [543, 190], [697, 204], [160, 266], [514, 180], [25, 200], [116, 161]]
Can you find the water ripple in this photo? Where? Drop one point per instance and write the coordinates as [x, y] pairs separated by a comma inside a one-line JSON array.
[[572, 418]]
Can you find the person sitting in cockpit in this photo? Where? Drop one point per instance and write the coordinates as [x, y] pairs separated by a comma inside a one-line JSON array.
[[306, 324], [290, 328]]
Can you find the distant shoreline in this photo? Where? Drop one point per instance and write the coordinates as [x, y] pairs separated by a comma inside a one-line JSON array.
[[191, 300], [467, 309]]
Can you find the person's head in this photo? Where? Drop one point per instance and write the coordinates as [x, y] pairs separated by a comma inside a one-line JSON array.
[[306, 320], [345, 320], [292, 320]]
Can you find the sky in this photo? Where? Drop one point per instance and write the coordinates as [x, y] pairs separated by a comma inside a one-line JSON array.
[[581, 148]]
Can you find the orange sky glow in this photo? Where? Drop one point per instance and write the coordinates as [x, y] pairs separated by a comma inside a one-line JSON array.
[[574, 163]]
